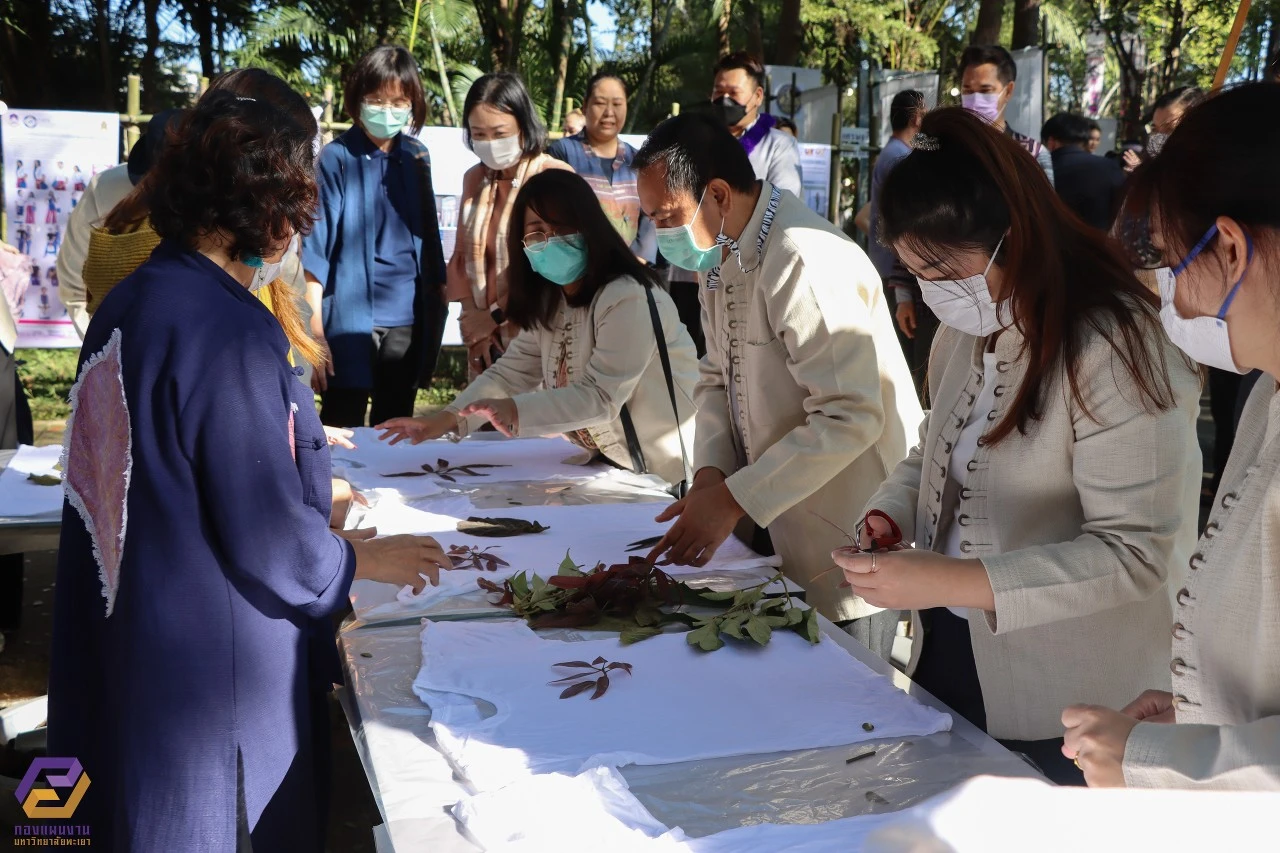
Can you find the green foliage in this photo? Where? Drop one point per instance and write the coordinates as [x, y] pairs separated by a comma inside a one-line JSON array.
[[47, 376]]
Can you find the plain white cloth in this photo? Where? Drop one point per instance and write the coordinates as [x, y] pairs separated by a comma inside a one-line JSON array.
[[679, 703], [21, 498], [525, 460], [977, 423]]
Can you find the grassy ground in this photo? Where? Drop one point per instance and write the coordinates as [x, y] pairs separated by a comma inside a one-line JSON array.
[[48, 374]]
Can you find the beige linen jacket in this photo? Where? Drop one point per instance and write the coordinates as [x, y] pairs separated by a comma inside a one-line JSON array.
[[612, 359], [804, 376], [1226, 640], [1079, 524], [105, 191]]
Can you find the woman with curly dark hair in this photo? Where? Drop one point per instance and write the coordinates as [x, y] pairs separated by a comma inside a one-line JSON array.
[[197, 572]]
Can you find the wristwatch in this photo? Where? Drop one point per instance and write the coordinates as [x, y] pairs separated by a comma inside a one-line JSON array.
[[498, 316]]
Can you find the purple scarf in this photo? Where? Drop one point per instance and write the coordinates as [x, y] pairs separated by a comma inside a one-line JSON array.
[[757, 132]]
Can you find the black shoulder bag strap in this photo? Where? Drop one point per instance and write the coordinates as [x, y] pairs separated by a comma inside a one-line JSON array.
[[629, 429]]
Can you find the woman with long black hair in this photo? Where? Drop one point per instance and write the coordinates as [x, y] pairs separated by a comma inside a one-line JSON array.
[[1057, 482]]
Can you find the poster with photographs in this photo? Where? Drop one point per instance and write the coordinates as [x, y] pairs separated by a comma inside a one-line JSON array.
[[49, 158]]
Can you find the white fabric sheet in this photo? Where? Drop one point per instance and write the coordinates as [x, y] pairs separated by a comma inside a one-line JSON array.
[[680, 704], [526, 459], [590, 534], [21, 498]]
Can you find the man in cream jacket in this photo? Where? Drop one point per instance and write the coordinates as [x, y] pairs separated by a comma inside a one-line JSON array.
[[805, 402]]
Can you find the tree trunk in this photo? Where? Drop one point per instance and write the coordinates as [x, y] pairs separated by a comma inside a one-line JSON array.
[[1026, 23], [202, 22], [789, 34], [502, 22], [657, 37], [149, 69], [561, 26], [990, 20], [591, 48], [755, 29], [104, 53], [722, 30]]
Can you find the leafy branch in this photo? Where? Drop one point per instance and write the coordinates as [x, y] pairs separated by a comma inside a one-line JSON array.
[[471, 557], [499, 527], [598, 677]]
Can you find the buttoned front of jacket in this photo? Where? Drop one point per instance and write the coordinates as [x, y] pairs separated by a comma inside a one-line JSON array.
[[1078, 523]]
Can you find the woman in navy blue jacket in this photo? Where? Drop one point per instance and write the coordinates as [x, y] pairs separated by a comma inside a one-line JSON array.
[[197, 574], [374, 264]]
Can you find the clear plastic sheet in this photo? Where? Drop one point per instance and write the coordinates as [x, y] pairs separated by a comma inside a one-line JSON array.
[[414, 785]]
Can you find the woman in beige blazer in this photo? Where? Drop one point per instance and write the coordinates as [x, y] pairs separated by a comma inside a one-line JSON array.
[[1218, 221], [1059, 463], [588, 362]]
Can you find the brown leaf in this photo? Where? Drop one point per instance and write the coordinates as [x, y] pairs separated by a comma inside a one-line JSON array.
[[598, 661], [617, 665], [575, 677], [580, 687], [577, 664], [602, 684], [446, 477], [442, 464], [407, 474]]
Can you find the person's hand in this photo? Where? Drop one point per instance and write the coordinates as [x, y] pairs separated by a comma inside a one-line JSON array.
[[502, 413], [705, 518], [477, 326], [320, 375], [906, 314], [1132, 160], [481, 354], [5, 247], [904, 579], [340, 437], [417, 430], [1153, 706], [358, 535], [401, 560], [1095, 739]]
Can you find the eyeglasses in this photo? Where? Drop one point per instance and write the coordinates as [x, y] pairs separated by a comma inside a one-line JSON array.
[[379, 103], [536, 241]]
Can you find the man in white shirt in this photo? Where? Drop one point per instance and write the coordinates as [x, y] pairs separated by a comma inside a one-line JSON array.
[[805, 402]]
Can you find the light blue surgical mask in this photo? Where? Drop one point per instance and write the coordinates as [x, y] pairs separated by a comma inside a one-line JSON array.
[[680, 248], [561, 260], [385, 122]]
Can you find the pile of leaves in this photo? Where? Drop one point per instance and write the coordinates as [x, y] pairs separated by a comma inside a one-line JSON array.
[[637, 599], [445, 471]]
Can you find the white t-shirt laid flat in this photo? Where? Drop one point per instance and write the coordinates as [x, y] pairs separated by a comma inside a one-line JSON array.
[[678, 704], [966, 447]]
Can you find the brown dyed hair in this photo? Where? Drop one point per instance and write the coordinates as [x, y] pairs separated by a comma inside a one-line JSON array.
[[1063, 277], [227, 173]]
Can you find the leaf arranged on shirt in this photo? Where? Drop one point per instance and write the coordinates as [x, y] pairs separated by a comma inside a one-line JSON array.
[[597, 676], [499, 527], [638, 600], [471, 557], [445, 471]]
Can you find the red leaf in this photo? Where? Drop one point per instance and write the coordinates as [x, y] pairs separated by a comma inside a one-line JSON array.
[[616, 665], [580, 687], [574, 677], [598, 661], [602, 684], [568, 582]]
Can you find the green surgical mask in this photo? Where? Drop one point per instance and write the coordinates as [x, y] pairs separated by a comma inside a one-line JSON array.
[[678, 246], [561, 260], [385, 122]]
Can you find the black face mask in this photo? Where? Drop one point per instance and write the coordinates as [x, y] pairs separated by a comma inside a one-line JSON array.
[[728, 110]]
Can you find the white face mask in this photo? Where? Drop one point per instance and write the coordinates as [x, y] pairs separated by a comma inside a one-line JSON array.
[[269, 272], [1205, 340], [966, 305], [499, 154]]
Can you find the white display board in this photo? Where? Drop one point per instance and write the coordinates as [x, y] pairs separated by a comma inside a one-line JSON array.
[[1025, 112], [49, 158], [815, 176]]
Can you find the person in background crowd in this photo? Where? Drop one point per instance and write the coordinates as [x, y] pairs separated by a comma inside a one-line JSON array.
[[1055, 486], [916, 321], [586, 362], [1166, 115], [1095, 137], [105, 191], [501, 126], [805, 401], [574, 121], [1091, 186], [187, 673], [988, 76], [604, 160], [786, 125], [737, 97], [1216, 221], [16, 427], [374, 263]]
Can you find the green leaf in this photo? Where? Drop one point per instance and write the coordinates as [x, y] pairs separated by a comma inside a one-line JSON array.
[[520, 584], [775, 621], [706, 638], [748, 596], [809, 627], [759, 630], [635, 635], [732, 625], [774, 604], [710, 644], [795, 616], [717, 596], [568, 567], [647, 615]]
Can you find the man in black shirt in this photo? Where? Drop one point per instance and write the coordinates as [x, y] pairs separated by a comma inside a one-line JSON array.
[[1091, 186]]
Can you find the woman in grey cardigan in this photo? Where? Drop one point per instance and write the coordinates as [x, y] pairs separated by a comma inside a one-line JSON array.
[[1059, 465], [588, 362], [1217, 220]]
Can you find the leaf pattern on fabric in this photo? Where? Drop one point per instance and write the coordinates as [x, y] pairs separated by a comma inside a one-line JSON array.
[[581, 437], [97, 460], [293, 443]]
